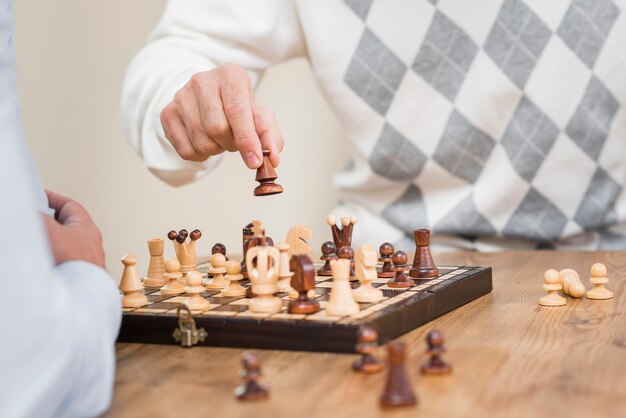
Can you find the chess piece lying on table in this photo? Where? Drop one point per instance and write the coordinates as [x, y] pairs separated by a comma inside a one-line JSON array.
[[435, 364], [386, 252], [599, 279], [329, 252], [233, 275], [365, 262], [572, 285], [173, 286], [251, 390], [367, 345], [218, 263], [130, 285], [400, 266], [155, 278], [398, 390], [552, 285], [423, 264], [194, 289], [266, 175], [302, 281]]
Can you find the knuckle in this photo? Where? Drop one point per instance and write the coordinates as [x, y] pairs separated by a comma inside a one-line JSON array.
[[168, 114], [218, 128], [198, 83]]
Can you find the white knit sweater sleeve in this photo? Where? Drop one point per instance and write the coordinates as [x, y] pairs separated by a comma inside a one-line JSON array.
[[195, 36]]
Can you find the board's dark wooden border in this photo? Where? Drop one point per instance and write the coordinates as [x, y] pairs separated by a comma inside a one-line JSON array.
[[391, 322]]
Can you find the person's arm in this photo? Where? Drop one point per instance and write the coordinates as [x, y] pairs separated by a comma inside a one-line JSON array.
[[195, 78], [61, 313]]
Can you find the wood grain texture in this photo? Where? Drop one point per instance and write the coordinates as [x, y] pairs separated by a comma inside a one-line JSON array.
[[511, 357]]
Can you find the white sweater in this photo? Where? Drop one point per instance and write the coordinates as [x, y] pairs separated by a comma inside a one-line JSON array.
[[57, 356], [497, 123]]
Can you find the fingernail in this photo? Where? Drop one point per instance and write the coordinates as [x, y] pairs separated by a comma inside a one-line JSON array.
[[251, 159]]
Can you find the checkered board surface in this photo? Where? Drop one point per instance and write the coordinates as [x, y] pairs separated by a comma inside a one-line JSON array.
[[229, 322]]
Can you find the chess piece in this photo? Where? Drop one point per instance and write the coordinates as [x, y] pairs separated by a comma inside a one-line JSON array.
[[218, 263], [552, 284], [400, 266], [185, 251], [251, 390], [298, 238], [599, 279], [341, 301], [386, 251], [365, 268], [253, 236], [572, 285], [194, 289], [284, 274], [347, 253], [217, 248], [155, 278], [173, 286], [266, 175], [262, 263], [342, 237], [303, 281], [435, 364], [367, 345], [423, 264], [398, 390], [233, 275], [328, 253], [130, 285]]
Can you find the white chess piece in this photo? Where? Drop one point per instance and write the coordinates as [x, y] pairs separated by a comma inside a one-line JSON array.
[[173, 274], [130, 284], [552, 284], [599, 279], [233, 275], [218, 263], [284, 274], [262, 264], [341, 301], [194, 289], [366, 261]]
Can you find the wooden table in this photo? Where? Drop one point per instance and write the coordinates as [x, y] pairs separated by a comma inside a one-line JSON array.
[[511, 357]]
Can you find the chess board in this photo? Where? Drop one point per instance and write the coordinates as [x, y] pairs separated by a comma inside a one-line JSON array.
[[229, 323]]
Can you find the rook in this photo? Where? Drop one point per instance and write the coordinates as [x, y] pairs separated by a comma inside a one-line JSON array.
[[423, 264], [398, 390]]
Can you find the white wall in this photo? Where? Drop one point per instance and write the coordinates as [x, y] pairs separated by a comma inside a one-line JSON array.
[[71, 57]]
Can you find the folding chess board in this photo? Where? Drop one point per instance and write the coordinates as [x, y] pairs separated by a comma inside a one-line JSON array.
[[229, 323]]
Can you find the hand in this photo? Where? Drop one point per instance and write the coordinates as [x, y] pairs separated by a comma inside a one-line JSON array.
[[73, 234], [217, 111]]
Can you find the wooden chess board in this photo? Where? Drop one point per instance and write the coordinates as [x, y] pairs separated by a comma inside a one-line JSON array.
[[229, 323]]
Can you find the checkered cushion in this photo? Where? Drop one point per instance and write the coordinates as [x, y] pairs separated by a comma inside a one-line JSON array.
[[518, 105]]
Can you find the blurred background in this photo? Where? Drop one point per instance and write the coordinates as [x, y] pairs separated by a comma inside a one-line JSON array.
[[71, 60]]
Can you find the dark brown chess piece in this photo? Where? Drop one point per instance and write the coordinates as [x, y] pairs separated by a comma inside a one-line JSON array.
[[342, 236], [398, 390], [347, 253], [386, 251], [423, 264], [251, 390], [399, 267], [367, 345], [302, 281], [329, 252], [266, 175], [435, 364], [217, 248]]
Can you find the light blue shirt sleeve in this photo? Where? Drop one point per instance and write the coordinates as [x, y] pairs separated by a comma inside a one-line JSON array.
[[57, 356]]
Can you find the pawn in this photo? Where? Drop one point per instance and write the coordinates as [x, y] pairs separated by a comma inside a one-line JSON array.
[[398, 390], [329, 252], [218, 263], [552, 285], [266, 175], [400, 266], [599, 279], [386, 251], [217, 248], [130, 285], [347, 253], [435, 364], [173, 274], [195, 301], [233, 275], [572, 285], [367, 345], [251, 390]]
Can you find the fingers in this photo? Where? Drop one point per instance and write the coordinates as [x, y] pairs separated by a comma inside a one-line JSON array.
[[57, 201], [269, 134], [176, 133], [236, 98], [67, 210]]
